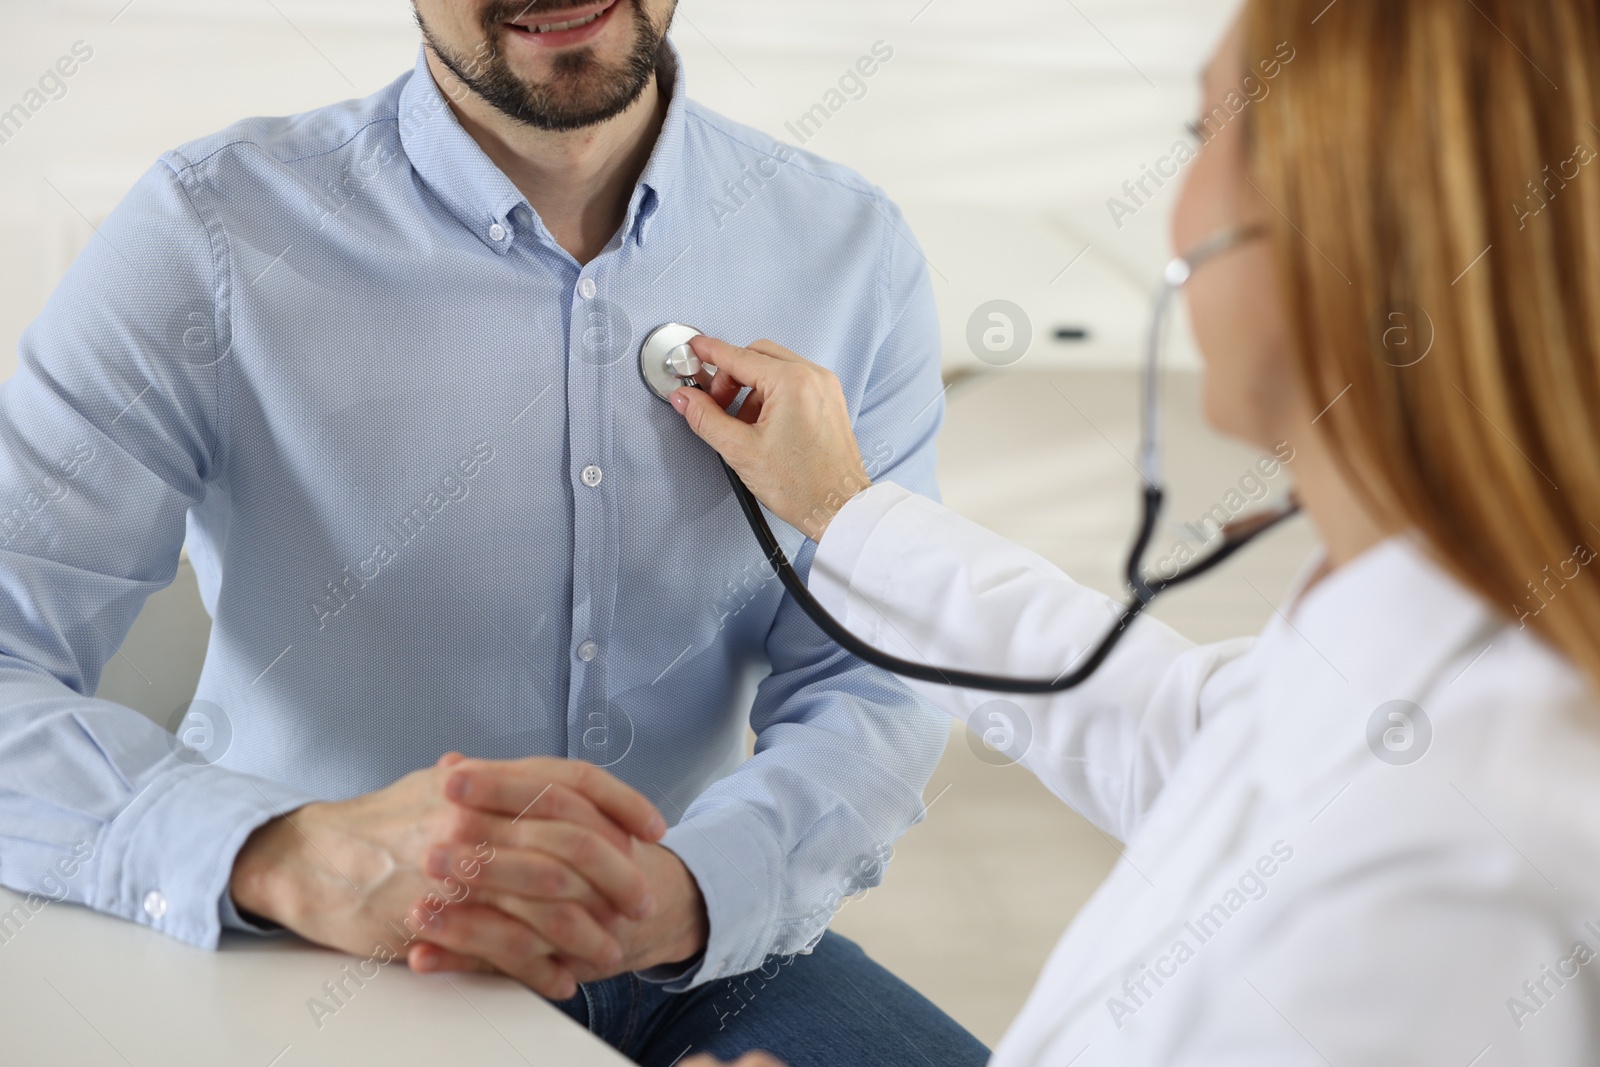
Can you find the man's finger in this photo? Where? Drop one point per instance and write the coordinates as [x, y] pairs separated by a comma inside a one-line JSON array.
[[535, 931], [530, 875], [431, 959], [561, 804], [587, 855], [515, 787], [572, 932], [507, 944]]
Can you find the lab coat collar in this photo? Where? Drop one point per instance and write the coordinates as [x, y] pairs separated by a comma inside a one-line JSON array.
[[1389, 621], [478, 193]]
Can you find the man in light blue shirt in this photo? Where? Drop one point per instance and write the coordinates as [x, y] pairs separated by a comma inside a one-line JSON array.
[[377, 366]]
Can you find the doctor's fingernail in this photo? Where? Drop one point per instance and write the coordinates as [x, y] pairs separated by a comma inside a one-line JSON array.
[[681, 402], [457, 787]]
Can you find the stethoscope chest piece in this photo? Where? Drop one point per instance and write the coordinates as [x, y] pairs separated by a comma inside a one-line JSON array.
[[666, 362]]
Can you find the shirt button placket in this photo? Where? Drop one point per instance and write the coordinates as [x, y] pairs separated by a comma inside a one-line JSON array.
[[594, 559]]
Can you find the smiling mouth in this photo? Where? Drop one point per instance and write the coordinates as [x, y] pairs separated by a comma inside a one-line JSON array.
[[556, 27], [551, 27]]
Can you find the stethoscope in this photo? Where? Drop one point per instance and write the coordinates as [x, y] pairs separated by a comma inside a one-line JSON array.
[[667, 364]]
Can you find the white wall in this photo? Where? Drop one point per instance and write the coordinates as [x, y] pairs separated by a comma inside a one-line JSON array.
[[1002, 126]]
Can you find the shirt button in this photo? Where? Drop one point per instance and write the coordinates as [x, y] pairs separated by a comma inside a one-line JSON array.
[[497, 232], [592, 475], [588, 651], [587, 288], [155, 905]]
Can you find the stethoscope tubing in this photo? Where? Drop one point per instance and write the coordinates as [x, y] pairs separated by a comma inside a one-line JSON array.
[[1144, 590]]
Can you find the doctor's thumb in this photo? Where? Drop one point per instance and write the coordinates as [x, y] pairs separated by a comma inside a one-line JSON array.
[[711, 424]]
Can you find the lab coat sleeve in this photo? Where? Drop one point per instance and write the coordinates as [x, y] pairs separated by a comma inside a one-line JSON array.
[[843, 751], [919, 581], [109, 433]]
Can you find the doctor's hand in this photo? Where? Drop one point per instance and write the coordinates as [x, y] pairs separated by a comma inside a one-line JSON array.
[[791, 441], [371, 875]]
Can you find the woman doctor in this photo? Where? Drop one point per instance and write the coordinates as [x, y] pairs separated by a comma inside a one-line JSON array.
[[1371, 834]]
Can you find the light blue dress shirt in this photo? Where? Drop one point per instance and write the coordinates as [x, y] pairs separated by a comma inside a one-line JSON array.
[[433, 507]]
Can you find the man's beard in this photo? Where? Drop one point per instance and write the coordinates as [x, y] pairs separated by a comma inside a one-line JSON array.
[[582, 91]]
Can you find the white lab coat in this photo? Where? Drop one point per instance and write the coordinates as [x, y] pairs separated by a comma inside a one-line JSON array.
[[1286, 897]]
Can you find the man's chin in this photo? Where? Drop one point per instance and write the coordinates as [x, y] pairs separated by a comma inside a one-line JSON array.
[[573, 99], [560, 90]]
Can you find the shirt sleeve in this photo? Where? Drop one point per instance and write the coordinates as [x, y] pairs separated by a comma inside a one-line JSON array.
[[912, 578], [109, 433], [843, 751]]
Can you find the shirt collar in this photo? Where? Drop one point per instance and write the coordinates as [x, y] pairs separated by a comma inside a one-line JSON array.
[[479, 194], [667, 158]]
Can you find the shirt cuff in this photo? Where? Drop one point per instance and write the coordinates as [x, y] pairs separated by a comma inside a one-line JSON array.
[[735, 862], [166, 860], [233, 919], [675, 976]]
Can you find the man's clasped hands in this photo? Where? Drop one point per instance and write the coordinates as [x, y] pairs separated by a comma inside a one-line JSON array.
[[547, 870]]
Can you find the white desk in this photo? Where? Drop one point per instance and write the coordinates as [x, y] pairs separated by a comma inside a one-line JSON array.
[[82, 989]]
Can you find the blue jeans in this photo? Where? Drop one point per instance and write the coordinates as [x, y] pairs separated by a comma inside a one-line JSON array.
[[832, 1008]]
